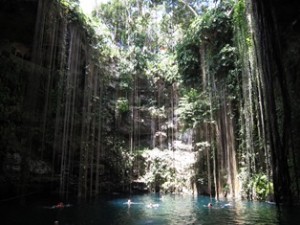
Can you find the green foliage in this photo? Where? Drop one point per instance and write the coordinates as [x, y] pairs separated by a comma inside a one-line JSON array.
[[261, 186], [226, 60], [132, 63], [73, 12], [118, 159], [126, 71], [212, 30], [182, 11], [114, 15], [239, 13], [122, 105], [241, 24], [214, 27], [98, 36], [157, 112], [193, 108], [162, 66], [160, 170], [72, 4], [188, 59]]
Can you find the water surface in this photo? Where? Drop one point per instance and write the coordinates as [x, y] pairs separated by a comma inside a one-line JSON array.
[[167, 210]]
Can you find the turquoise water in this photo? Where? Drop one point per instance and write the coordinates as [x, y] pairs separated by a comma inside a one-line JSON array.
[[167, 210]]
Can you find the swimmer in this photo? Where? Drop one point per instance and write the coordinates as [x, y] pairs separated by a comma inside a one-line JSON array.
[[129, 202], [151, 205], [210, 205], [60, 205]]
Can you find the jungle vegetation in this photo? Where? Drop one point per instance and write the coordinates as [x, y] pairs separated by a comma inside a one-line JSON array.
[[182, 96]]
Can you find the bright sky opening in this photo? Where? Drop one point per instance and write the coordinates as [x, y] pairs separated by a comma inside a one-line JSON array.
[[88, 5]]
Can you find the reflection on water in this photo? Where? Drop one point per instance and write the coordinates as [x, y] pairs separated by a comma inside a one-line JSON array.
[[149, 210]]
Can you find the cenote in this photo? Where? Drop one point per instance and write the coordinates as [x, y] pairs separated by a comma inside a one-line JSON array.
[[179, 97], [165, 210]]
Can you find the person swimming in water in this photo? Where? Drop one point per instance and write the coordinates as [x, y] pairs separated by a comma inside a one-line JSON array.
[[210, 205], [60, 205], [129, 202], [151, 205]]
